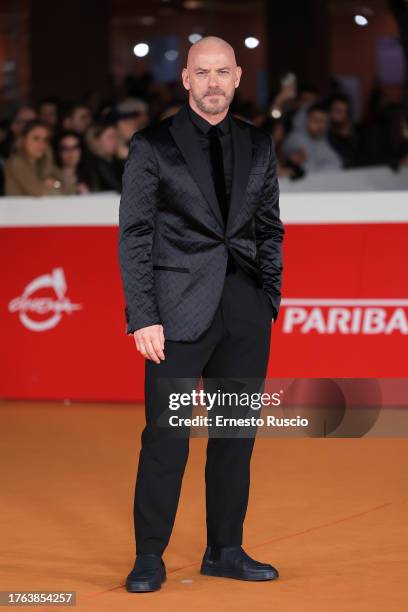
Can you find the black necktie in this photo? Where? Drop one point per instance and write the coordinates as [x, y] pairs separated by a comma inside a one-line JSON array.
[[217, 163]]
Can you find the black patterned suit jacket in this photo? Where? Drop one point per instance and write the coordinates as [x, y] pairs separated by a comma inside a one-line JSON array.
[[173, 245]]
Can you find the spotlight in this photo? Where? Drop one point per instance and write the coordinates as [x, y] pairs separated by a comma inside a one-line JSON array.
[[360, 20], [193, 38], [251, 42], [141, 49], [171, 55], [276, 113]]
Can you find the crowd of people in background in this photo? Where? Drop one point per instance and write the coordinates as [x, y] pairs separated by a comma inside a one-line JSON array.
[[50, 149], [317, 134], [80, 147]]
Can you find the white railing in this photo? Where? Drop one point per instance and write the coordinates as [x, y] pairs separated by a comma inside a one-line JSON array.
[[313, 207], [355, 179]]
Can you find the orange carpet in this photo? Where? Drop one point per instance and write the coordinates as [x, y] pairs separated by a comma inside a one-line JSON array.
[[330, 514]]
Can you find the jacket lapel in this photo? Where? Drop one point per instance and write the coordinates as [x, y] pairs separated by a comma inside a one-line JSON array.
[[186, 139], [242, 149]]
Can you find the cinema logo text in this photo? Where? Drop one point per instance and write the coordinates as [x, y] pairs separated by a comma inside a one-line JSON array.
[[39, 312], [345, 316]]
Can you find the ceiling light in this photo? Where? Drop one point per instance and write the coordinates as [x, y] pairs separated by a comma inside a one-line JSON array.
[[141, 49], [360, 20], [171, 55], [251, 42], [194, 37]]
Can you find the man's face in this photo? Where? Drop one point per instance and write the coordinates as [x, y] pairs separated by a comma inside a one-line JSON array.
[[317, 123], [81, 119], [211, 77], [338, 112], [127, 127], [48, 113]]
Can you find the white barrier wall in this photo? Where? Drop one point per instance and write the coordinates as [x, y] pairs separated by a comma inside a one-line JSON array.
[[354, 179], [102, 209]]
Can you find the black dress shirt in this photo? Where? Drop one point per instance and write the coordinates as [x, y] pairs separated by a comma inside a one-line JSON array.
[[203, 127]]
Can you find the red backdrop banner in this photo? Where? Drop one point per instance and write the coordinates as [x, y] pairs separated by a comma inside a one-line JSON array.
[[344, 311]]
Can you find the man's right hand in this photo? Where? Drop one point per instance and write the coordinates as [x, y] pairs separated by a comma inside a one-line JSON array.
[[150, 342]]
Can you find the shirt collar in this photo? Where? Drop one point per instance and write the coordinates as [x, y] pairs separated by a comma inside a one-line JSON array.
[[205, 126]]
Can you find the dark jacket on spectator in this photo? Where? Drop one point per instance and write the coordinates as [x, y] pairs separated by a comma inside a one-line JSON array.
[[108, 173]]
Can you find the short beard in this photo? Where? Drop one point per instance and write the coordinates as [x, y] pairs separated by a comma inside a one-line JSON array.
[[212, 110]]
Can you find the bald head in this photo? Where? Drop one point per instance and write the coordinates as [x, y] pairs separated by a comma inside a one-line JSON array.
[[211, 77], [211, 45]]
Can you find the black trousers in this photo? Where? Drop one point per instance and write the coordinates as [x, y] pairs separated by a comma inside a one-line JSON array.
[[236, 344]]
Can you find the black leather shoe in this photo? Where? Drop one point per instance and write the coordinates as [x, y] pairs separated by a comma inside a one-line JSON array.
[[233, 562], [147, 574]]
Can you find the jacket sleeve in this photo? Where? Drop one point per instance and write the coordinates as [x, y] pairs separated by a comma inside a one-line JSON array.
[[137, 211], [269, 231]]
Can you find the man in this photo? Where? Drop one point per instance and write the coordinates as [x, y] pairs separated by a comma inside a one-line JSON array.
[[341, 135], [307, 96], [310, 148], [201, 263], [129, 116], [48, 112], [77, 117]]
